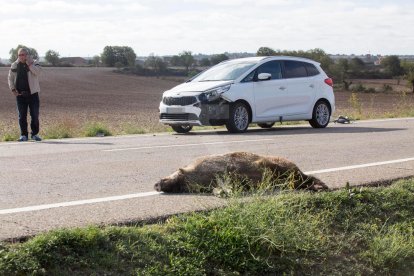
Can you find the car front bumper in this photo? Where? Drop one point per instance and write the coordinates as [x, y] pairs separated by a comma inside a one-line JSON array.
[[199, 114]]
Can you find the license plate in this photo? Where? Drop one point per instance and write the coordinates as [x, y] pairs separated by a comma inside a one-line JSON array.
[[175, 110]]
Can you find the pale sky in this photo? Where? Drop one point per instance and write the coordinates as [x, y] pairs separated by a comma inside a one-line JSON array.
[[163, 27]]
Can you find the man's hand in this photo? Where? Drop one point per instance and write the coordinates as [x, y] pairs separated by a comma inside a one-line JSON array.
[[29, 60], [16, 93]]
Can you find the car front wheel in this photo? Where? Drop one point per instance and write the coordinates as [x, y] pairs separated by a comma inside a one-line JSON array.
[[239, 118], [182, 129], [321, 115]]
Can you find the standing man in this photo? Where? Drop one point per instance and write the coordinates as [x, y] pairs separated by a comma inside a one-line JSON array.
[[24, 83]]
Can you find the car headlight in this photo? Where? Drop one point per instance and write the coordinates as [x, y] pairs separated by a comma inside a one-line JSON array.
[[213, 94]]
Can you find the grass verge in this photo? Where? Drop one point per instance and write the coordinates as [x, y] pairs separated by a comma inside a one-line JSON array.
[[366, 231], [93, 129]]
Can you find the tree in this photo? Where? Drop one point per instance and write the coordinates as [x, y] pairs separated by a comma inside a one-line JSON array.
[[356, 65], [392, 65], [410, 79], [13, 52], [205, 62], [96, 60], [186, 60], [316, 54], [156, 63], [409, 73], [266, 51], [215, 59], [120, 55], [52, 57], [175, 61], [340, 72]]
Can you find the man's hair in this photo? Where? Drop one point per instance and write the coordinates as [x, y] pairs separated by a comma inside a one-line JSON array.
[[24, 50]]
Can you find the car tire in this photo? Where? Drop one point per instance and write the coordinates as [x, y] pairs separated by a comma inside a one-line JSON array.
[[266, 125], [321, 115], [239, 118], [182, 129]]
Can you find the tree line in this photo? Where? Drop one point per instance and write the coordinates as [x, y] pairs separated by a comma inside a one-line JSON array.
[[342, 70]]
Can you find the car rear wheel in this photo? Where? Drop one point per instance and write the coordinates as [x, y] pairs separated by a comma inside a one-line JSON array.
[[266, 125], [182, 129], [239, 118], [321, 115]]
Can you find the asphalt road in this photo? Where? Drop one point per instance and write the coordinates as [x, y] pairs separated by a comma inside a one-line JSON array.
[[109, 180]]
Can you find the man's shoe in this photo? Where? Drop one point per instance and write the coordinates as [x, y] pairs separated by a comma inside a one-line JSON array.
[[22, 138], [36, 138]]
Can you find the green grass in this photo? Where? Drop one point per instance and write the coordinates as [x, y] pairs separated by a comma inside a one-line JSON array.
[[64, 129], [10, 136], [93, 129], [367, 231], [130, 128]]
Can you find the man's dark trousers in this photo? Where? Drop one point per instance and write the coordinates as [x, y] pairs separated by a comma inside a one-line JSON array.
[[32, 103]]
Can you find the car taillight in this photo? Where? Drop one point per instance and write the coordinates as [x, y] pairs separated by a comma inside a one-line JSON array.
[[329, 82]]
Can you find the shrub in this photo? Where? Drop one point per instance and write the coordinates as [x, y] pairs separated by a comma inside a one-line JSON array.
[[387, 88], [96, 129]]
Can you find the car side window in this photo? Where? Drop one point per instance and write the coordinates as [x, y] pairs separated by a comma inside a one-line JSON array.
[[272, 67], [311, 69], [249, 77], [294, 69]]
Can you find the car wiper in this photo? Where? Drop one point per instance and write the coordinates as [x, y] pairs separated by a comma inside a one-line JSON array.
[[213, 80]]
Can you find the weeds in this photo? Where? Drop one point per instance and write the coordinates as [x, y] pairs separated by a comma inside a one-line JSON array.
[[8, 137], [96, 129], [8, 133], [366, 231], [130, 128], [63, 129], [356, 105]]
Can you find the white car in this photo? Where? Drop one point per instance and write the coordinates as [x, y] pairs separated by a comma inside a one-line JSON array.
[[261, 90]]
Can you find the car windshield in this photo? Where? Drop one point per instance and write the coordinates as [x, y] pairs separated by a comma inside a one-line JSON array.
[[225, 71]]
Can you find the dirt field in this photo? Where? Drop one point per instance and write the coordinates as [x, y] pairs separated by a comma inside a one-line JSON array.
[[76, 96], [79, 95]]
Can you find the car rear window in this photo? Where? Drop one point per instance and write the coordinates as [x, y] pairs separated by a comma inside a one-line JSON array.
[[311, 69], [294, 69]]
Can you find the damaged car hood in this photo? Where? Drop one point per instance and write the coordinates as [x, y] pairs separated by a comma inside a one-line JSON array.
[[194, 88]]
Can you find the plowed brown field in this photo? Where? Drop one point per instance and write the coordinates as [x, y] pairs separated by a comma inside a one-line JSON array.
[[80, 95]]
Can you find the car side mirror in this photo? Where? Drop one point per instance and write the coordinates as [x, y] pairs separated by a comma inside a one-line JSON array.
[[264, 76]]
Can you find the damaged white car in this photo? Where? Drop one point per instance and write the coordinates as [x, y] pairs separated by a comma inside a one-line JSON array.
[[261, 90]]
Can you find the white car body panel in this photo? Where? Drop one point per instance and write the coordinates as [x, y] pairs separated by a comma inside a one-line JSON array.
[[284, 99]]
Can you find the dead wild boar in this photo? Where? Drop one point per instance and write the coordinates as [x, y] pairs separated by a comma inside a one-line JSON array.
[[204, 173]]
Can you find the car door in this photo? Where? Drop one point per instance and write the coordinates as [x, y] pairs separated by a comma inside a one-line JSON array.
[[269, 94], [300, 89]]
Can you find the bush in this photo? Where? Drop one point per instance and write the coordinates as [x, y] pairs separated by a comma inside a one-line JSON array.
[[358, 88], [96, 129], [387, 88]]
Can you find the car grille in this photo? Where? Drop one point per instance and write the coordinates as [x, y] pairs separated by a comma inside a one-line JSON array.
[[187, 100], [175, 117]]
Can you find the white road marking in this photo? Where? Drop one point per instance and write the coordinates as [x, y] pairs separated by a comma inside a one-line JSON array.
[[189, 145], [166, 133], [385, 120], [75, 203], [147, 194], [362, 166]]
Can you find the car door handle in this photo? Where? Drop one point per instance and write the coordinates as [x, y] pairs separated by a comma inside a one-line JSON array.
[[312, 86], [282, 88]]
